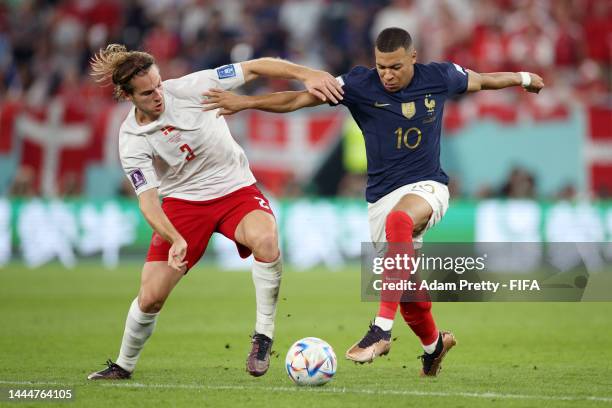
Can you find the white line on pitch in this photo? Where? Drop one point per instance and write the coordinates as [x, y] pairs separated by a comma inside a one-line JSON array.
[[329, 390]]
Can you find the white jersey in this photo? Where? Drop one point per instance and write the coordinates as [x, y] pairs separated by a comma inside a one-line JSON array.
[[187, 153]]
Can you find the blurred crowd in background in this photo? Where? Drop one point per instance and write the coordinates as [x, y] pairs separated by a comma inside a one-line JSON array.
[[45, 45]]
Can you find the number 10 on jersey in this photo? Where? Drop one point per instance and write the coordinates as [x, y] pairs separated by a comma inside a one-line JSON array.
[[402, 137]]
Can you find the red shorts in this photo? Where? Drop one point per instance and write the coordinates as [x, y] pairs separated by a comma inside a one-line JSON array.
[[197, 220]]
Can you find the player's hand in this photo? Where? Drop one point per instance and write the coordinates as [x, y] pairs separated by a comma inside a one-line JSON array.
[[228, 103], [536, 85], [177, 254], [323, 85]]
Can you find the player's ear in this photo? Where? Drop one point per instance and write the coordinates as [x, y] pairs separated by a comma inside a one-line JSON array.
[[126, 96], [413, 55]]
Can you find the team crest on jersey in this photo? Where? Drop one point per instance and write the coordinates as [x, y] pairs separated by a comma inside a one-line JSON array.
[[430, 104], [167, 130], [227, 71], [408, 109], [173, 136], [138, 179]]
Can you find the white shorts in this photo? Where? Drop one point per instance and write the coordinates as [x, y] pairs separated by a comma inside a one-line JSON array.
[[436, 194]]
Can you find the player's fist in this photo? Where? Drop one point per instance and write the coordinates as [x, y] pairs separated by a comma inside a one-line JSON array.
[[177, 254], [536, 84], [323, 85]]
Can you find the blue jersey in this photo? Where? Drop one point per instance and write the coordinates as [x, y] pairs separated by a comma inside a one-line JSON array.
[[402, 129]]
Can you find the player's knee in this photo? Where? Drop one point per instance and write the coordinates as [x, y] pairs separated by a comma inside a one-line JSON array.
[[265, 246], [149, 303], [398, 220], [399, 227]]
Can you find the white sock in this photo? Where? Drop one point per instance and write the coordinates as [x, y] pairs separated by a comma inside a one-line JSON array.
[[383, 323], [266, 278], [138, 328], [430, 348]]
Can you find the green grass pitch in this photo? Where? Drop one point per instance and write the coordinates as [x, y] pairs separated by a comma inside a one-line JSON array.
[[56, 326]]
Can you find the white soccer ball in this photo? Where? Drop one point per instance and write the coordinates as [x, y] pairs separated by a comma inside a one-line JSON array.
[[311, 361]]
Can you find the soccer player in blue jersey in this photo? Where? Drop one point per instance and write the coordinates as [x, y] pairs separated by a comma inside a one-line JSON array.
[[398, 106]]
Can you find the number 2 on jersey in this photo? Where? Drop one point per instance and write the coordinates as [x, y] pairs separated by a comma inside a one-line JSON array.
[[262, 202], [185, 148]]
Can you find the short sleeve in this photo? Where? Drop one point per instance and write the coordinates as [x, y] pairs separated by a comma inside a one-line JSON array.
[[456, 78], [137, 161], [229, 76], [193, 85], [350, 84]]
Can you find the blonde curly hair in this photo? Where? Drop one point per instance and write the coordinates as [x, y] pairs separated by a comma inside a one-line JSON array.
[[118, 66]]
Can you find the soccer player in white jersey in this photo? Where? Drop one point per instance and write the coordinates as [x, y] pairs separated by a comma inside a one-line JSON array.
[[168, 146]]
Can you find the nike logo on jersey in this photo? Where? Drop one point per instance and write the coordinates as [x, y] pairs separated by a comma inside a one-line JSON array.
[[380, 105], [459, 68]]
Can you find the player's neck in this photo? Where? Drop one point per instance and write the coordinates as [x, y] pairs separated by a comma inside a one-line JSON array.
[[143, 118], [408, 82]]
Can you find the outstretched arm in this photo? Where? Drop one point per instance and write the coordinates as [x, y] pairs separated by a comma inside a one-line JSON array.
[[319, 83], [499, 80], [229, 103]]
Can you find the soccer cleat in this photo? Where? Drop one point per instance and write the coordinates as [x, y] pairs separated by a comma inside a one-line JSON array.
[[258, 359], [376, 342], [432, 363], [112, 372]]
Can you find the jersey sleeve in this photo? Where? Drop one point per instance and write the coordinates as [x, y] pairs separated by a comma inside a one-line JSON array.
[[193, 85], [456, 78], [137, 161], [228, 76], [350, 85]]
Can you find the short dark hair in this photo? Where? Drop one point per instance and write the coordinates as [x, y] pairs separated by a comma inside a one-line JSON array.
[[390, 39]]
